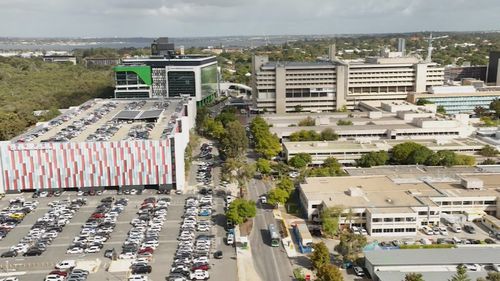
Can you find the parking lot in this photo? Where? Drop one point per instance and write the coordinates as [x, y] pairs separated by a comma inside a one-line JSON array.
[[37, 267]]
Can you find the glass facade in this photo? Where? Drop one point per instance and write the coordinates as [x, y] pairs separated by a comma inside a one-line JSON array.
[[208, 80], [128, 78], [181, 83], [462, 104]]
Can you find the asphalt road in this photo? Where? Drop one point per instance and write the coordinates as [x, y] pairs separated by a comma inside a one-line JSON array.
[[271, 263]]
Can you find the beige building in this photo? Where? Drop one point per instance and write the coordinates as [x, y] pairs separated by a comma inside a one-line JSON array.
[[400, 205], [282, 87]]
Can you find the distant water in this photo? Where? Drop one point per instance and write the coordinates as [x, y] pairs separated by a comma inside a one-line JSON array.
[[66, 44]]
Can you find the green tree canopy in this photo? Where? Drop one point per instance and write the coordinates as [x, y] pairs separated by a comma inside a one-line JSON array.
[[263, 166], [461, 274], [328, 134], [344, 122], [488, 151], [304, 135], [300, 160], [413, 277], [330, 220], [277, 196], [286, 184], [351, 245], [495, 107], [329, 272], [241, 210], [374, 158], [266, 144], [401, 152], [307, 122], [320, 255], [234, 141]]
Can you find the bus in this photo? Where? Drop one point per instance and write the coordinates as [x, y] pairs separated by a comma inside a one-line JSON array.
[[275, 236]]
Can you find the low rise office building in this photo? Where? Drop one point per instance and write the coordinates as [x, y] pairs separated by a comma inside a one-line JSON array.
[[401, 204]]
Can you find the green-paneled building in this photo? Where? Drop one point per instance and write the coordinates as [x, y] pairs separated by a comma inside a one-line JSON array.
[[168, 76]]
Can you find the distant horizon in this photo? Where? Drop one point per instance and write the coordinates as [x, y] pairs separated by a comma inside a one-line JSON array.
[[253, 35]]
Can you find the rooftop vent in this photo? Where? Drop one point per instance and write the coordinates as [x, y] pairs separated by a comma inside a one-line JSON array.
[[355, 191], [389, 200], [472, 183]]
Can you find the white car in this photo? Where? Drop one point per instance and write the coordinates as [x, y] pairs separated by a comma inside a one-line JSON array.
[[12, 278], [54, 277], [472, 267], [92, 249], [127, 256], [66, 264], [427, 230], [200, 260], [74, 251], [263, 199], [199, 275], [137, 277], [443, 231]]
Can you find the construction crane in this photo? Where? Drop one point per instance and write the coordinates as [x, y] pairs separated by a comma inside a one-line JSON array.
[[429, 48]]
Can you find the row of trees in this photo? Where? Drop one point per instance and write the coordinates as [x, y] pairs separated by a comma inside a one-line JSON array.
[[266, 143], [241, 210], [327, 134], [320, 258], [410, 153]]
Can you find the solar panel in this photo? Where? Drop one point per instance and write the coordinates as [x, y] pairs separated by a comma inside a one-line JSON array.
[[127, 114], [150, 114]]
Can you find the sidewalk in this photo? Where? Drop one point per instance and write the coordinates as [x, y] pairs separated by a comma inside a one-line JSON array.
[[246, 267]]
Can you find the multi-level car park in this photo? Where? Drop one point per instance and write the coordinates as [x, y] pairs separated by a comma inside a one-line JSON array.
[[191, 261], [46, 228], [98, 227]]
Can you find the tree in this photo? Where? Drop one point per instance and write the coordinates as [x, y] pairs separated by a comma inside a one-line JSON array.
[[234, 142], [212, 128], [488, 151], [330, 168], [300, 160], [373, 158], [344, 122], [351, 245], [414, 277], [307, 122], [328, 134], [263, 166], [495, 106], [320, 255], [480, 111], [304, 135], [423, 102], [241, 210], [330, 220], [420, 156], [329, 272], [461, 274], [286, 184], [441, 109], [489, 161], [465, 160], [277, 196], [493, 276], [227, 116], [266, 144], [401, 152]]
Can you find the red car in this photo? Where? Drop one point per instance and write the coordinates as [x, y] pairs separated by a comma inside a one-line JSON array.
[[202, 266], [146, 250], [60, 273], [97, 215]]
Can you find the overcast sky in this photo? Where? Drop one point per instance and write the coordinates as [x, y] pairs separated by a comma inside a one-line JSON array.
[[185, 18]]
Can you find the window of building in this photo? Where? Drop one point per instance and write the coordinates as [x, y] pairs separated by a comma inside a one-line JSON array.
[[388, 230], [181, 83], [399, 230], [410, 230], [410, 219], [376, 220], [467, 202], [315, 206], [422, 213], [490, 202], [388, 219], [376, 230]]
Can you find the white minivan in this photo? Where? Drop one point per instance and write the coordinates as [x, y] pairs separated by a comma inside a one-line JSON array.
[[456, 228]]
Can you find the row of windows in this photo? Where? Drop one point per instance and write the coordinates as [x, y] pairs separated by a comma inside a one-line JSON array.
[[407, 219], [459, 203], [428, 134], [306, 95], [391, 230]]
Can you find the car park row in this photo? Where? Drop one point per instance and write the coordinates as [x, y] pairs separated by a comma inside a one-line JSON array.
[[191, 261], [46, 228], [11, 216], [143, 237], [98, 227]]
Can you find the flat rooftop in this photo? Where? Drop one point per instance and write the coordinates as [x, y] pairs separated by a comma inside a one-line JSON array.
[[404, 189], [427, 276], [376, 145], [416, 257], [377, 191], [108, 120]]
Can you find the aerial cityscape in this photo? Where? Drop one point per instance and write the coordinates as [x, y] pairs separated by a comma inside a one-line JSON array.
[[263, 140]]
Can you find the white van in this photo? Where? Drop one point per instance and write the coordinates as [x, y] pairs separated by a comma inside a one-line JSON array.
[[230, 239], [456, 228]]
